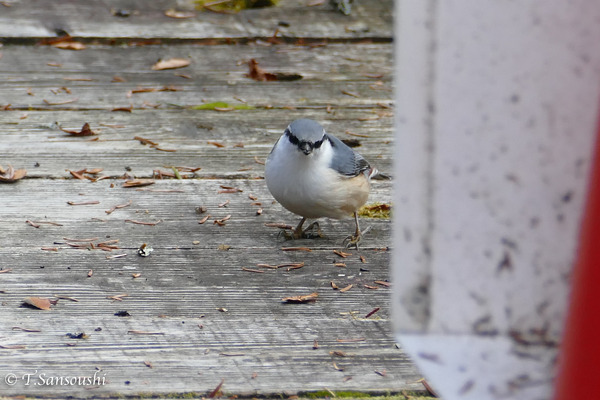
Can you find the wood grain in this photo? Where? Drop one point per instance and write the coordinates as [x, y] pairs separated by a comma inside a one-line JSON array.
[[192, 314]]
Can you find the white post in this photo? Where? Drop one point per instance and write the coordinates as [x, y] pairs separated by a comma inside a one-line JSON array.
[[496, 112]]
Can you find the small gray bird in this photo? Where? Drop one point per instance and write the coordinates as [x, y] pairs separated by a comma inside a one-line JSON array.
[[314, 174]]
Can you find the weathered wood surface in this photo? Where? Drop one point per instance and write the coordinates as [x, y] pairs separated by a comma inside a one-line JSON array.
[[338, 75], [260, 345], [37, 140], [95, 19]]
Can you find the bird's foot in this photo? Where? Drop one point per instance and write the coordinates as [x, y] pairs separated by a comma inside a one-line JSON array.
[[313, 231], [353, 240]]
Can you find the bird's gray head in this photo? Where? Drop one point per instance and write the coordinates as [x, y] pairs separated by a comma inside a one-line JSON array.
[[306, 134]]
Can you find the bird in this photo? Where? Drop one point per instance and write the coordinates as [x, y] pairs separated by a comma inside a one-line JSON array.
[[314, 174]]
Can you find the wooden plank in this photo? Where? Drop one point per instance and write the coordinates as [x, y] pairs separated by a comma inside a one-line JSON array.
[[35, 143], [259, 345], [173, 203], [182, 285], [146, 20], [336, 75]]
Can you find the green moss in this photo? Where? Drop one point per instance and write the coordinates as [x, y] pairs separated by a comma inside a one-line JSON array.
[[233, 6], [221, 105], [376, 210]]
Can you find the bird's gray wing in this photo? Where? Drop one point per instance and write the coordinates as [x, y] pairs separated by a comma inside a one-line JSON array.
[[345, 160]]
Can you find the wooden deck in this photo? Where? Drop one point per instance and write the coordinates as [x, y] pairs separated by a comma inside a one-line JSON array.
[[194, 313]]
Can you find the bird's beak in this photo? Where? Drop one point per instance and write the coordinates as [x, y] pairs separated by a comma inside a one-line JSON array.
[[306, 148]]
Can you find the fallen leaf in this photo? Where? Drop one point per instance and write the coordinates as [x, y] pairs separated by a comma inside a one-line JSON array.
[[259, 74], [216, 144], [31, 330], [70, 45], [217, 390], [296, 249], [138, 182], [179, 14], [341, 253], [85, 131], [133, 221], [171, 63], [252, 270], [383, 283], [347, 93], [113, 208], [148, 364], [123, 109], [38, 302], [343, 290], [301, 299], [203, 220], [11, 175], [83, 203], [117, 297], [373, 311]]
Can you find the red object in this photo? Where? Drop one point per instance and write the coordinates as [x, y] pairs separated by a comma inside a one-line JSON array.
[[579, 363]]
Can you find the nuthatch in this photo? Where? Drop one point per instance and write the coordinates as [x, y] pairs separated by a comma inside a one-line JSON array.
[[314, 174]]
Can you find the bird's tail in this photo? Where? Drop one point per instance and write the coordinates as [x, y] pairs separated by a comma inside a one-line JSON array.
[[374, 173]]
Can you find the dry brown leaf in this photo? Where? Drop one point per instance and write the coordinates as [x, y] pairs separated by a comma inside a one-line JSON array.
[[83, 203], [383, 283], [258, 74], [252, 270], [70, 45], [341, 253], [38, 302], [171, 63], [343, 290], [296, 249], [216, 144], [217, 390], [133, 221], [137, 182], [373, 311], [11, 175], [301, 299], [85, 131]]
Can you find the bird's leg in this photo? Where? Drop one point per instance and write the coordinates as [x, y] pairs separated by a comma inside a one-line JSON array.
[[297, 234], [353, 240], [313, 231]]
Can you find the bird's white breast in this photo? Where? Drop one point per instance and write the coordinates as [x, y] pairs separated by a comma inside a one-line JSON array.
[[307, 186]]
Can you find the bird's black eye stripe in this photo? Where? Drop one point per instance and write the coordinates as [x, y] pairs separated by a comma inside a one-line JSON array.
[[293, 139], [296, 142]]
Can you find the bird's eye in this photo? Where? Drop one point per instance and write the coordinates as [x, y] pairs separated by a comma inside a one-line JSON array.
[[293, 139], [318, 144]]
